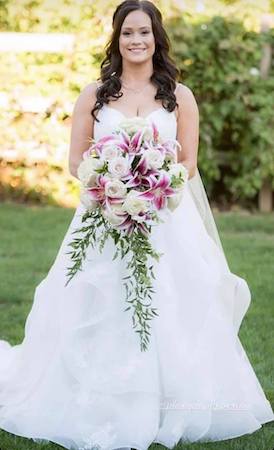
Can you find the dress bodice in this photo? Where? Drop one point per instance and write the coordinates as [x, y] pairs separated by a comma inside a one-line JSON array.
[[110, 117]]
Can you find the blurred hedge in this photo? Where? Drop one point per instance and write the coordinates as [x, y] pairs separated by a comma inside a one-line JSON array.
[[218, 58]]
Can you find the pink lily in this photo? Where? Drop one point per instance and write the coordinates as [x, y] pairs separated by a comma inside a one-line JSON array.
[[98, 192], [133, 180], [130, 225], [113, 200], [89, 151], [124, 143], [136, 141], [142, 228], [159, 191], [155, 132], [142, 165], [154, 146], [171, 146], [140, 179], [131, 145], [138, 226], [127, 225], [104, 140]]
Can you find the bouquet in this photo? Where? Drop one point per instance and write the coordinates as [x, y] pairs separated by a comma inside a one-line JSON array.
[[127, 179]]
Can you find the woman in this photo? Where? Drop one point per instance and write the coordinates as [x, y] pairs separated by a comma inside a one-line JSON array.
[[79, 378]]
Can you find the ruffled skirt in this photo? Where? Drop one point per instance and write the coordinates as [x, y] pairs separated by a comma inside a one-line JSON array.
[[80, 379]]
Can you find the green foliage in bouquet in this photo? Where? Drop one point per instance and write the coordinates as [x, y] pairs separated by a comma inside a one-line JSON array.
[[138, 282]]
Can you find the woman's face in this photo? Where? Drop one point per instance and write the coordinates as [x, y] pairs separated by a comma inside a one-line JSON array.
[[136, 41]]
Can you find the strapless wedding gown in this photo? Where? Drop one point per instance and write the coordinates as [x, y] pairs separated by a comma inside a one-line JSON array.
[[79, 378]]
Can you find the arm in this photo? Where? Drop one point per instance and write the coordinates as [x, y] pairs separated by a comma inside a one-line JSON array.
[[187, 128], [81, 126]]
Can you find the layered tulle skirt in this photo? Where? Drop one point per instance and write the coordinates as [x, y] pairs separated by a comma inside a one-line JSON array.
[[79, 377]]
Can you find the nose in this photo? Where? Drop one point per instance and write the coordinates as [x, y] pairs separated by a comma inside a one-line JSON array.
[[136, 39]]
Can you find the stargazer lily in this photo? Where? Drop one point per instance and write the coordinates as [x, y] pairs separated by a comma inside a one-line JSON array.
[[159, 190], [131, 145], [155, 132], [129, 225], [98, 192], [97, 147]]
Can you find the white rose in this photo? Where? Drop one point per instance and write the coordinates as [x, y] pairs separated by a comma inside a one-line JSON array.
[[174, 201], [154, 158], [119, 166], [170, 157], [178, 170], [117, 208], [112, 217], [87, 170], [134, 124], [110, 152], [87, 200], [134, 204], [148, 133], [115, 188]]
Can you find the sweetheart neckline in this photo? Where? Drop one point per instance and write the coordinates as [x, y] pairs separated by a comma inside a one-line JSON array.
[[143, 117]]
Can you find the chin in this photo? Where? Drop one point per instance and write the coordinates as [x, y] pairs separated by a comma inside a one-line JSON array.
[[138, 59]]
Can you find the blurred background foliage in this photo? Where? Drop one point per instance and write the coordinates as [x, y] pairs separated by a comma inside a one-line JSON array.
[[218, 47]]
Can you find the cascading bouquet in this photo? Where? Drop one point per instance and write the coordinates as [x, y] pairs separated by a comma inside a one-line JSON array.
[[127, 179]]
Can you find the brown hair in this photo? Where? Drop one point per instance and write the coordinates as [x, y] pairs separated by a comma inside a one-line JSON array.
[[165, 71]]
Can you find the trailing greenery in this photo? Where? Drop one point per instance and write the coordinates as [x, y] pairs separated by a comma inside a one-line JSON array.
[[138, 283]]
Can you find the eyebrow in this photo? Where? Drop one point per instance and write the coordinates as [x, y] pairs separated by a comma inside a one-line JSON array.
[[129, 28]]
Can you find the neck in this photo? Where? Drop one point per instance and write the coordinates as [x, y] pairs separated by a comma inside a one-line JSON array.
[[136, 74]]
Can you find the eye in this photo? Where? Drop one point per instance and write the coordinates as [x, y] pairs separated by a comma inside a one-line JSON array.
[[126, 33]]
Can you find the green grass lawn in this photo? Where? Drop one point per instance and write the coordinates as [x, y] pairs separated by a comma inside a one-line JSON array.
[[30, 238]]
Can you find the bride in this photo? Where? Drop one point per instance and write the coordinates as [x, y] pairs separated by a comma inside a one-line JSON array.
[[78, 378]]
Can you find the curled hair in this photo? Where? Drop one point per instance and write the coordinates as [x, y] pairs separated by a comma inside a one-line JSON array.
[[165, 71]]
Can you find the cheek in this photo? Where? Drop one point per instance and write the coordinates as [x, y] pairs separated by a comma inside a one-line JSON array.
[[151, 42], [122, 44]]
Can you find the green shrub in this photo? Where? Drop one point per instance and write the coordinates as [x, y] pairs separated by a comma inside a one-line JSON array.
[[219, 60]]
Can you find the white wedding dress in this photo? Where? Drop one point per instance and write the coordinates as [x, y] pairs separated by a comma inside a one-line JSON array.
[[79, 377]]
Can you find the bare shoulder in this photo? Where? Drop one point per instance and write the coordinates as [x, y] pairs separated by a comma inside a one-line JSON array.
[[87, 98], [185, 98]]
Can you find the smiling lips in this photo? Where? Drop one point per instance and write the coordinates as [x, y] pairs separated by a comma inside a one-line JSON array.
[[136, 50]]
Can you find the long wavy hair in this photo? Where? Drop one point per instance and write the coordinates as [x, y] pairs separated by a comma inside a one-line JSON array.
[[165, 71]]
